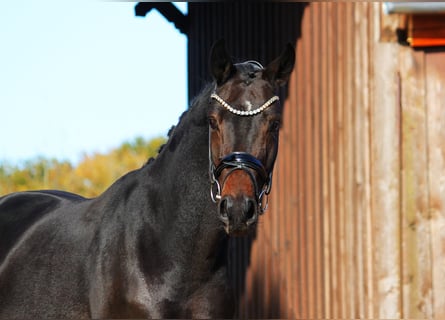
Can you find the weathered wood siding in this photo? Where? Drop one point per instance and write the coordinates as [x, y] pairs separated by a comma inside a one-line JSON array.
[[356, 225]]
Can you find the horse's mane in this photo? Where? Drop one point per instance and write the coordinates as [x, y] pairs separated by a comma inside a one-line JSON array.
[[198, 102]]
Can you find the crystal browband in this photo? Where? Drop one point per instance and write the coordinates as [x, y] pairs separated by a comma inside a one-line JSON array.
[[242, 112]]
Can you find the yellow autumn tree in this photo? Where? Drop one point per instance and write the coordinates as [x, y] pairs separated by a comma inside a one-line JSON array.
[[94, 173]]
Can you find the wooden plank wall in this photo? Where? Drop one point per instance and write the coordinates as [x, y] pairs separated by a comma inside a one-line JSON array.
[[356, 225]]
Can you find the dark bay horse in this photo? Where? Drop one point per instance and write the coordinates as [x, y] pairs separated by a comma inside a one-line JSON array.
[[153, 245]]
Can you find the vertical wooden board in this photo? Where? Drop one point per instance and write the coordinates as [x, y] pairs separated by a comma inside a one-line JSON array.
[[290, 209], [369, 89], [385, 130], [309, 168], [292, 194], [285, 278], [274, 241], [264, 255], [416, 266], [349, 93], [269, 254], [435, 95], [264, 252], [301, 254], [342, 62], [279, 231], [288, 228], [303, 168], [359, 149], [336, 160], [294, 102], [316, 191], [362, 158], [289, 244], [289, 197], [267, 261], [365, 179], [333, 172], [325, 22]]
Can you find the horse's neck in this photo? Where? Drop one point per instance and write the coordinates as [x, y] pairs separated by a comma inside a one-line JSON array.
[[161, 217], [190, 222]]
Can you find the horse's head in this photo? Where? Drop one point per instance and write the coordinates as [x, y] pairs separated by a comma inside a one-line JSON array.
[[244, 122]]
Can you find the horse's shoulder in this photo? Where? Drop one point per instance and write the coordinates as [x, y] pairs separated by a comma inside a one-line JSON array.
[[20, 210]]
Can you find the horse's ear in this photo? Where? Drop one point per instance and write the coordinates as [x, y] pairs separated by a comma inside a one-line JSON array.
[[279, 70], [221, 65]]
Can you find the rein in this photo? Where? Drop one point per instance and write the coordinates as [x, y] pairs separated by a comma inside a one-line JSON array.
[[240, 160]]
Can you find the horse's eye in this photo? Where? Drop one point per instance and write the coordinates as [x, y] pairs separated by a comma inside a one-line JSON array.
[[275, 126], [213, 123]]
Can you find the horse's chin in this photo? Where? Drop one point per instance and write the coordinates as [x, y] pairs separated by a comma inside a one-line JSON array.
[[239, 231]]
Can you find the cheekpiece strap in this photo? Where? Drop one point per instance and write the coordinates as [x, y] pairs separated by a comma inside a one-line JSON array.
[[227, 106]]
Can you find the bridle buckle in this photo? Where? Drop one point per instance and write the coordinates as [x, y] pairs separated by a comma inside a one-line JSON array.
[[215, 196]]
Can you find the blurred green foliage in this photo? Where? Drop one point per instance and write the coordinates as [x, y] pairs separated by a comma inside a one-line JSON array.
[[94, 173]]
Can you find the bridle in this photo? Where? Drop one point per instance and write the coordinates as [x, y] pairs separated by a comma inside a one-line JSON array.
[[240, 160]]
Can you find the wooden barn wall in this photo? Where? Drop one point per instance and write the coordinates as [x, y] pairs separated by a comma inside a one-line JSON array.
[[356, 225], [356, 219]]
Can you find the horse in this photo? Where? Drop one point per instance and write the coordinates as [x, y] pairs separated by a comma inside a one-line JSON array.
[[155, 243]]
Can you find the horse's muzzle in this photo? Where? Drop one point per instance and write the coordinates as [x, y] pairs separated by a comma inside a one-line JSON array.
[[238, 214], [239, 196]]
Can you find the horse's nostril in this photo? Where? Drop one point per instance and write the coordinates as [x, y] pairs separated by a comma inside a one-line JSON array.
[[250, 212], [223, 210], [237, 211]]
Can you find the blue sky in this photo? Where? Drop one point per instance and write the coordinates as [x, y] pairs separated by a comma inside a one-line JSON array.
[[83, 76]]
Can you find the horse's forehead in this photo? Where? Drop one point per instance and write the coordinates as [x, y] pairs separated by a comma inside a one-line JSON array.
[[246, 90], [248, 83]]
